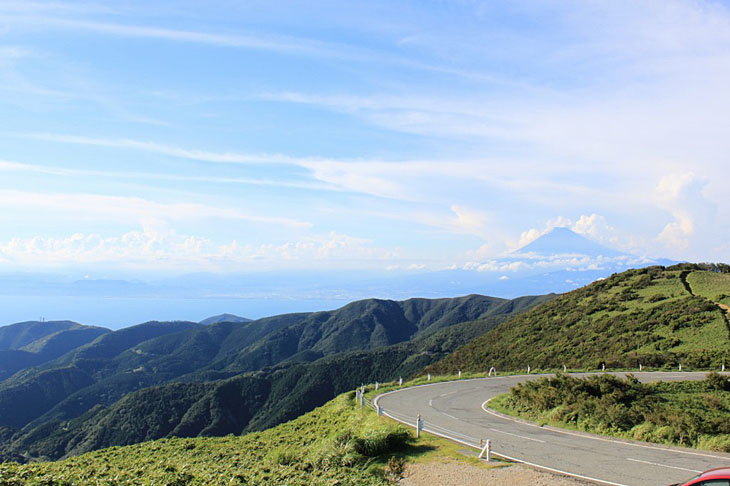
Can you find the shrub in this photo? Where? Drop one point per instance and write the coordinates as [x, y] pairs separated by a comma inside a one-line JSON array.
[[383, 441], [717, 381], [396, 468]]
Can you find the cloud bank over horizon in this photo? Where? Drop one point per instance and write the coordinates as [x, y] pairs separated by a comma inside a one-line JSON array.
[[184, 137]]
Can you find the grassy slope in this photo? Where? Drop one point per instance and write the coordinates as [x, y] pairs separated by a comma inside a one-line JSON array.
[[713, 286], [335, 444], [641, 316]]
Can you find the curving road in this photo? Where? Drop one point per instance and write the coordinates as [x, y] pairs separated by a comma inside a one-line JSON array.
[[455, 410]]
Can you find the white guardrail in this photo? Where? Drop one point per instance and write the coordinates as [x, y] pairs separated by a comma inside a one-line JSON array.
[[482, 445]]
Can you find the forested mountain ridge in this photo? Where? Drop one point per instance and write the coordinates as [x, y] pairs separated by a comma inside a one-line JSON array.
[[654, 316], [33, 343], [34, 391], [224, 318], [235, 402], [153, 353]]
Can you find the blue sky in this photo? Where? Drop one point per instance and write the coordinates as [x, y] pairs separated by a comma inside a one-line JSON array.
[[178, 136]]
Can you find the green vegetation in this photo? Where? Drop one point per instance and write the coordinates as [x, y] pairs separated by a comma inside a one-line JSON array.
[[336, 444], [33, 343], [637, 317], [712, 286], [688, 413]]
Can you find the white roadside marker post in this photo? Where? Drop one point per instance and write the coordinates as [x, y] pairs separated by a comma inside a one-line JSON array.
[[723, 367], [528, 369], [400, 381], [565, 369], [680, 366], [357, 396], [603, 367], [380, 411], [429, 377], [362, 401], [640, 367], [459, 373], [486, 451], [377, 385], [419, 426]]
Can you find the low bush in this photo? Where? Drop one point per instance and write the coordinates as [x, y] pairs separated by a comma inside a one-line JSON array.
[[683, 413]]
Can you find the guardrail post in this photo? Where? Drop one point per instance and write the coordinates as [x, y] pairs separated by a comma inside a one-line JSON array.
[[400, 381], [419, 426], [380, 411], [486, 451]]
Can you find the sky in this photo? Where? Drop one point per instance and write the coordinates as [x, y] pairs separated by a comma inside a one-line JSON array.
[[220, 136]]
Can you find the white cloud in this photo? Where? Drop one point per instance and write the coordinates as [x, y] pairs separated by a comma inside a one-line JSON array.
[[13, 52], [11, 166], [593, 226], [159, 148], [164, 248], [127, 209], [693, 216]]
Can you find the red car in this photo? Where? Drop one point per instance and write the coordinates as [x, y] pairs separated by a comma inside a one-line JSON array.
[[713, 477]]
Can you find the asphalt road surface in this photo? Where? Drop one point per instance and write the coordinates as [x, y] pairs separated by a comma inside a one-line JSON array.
[[455, 410]]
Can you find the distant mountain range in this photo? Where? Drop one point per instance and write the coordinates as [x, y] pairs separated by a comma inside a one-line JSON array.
[[558, 261]]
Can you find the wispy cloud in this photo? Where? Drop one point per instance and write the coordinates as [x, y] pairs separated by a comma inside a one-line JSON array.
[[9, 166], [128, 209], [201, 155]]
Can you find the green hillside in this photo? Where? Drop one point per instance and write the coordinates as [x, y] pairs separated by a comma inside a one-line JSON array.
[[15, 336], [336, 444], [34, 391], [651, 316], [33, 343]]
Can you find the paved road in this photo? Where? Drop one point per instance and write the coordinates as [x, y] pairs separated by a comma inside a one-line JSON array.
[[454, 409]]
